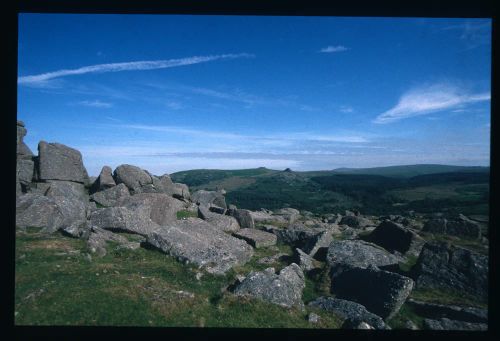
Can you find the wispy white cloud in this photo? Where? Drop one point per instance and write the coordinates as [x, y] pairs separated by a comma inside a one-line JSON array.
[[95, 104], [425, 100], [346, 109], [174, 105], [331, 49], [473, 33], [127, 66]]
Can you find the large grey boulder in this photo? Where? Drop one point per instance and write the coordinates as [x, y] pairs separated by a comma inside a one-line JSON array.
[[244, 218], [284, 289], [136, 179], [25, 170], [104, 180], [207, 198], [459, 226], [195, 241], [23, 151], [394, 237], [296, 235], [59, 162], [303, 260], [356, 221], [267, 217], [345, 254], [98, 239], [160, 207], [444, 266], [123, 219], [349, 311], [256, 238], [447, 324], [35, 210], [289, 214], [111, 196], [67, 189], [453, 312], [319, 241], [181, 191], [219, 221], [381, 292]]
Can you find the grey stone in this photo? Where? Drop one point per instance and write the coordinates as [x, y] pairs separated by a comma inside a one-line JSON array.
[[313, 318], [98, 239], [244, 218], [344, 254], [284, 289], [181, 191], [437, 311], [35, 210], [394, 237], [355, 221], [160, 207], [136, 179], [104, 180], [349, 324], [123, 219], [221, 222], [206, 198], [290, 214], [59, 162], [256, 238], [303, 260], [444, 266], [217, 209], [459, 226], [78, 229], [23, 150], [319, 241], [67, 189], [349, 311], [111, 196], [272, 259], [25, 171], [196, 241], [266, 217], [381, 292], [296, 235], [447, 324]]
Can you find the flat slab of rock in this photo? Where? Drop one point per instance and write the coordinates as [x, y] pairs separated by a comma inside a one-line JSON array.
[[59, 162], [445, 266], [394, 237], [206, 198], [196, 241], [266, 217], [459, 226], [284, 289], [303, 260], [447, 324], [296, 235], [352, 311], [289, 214], [123, 219], [381, 292], [111, 196], [357, 253], [256, 238], [223, 222], [355, 221], [453, 312], [161, 208], [35, 210], [98, 238]]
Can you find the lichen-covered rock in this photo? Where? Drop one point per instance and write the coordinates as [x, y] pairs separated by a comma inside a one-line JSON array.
[[136, 179], [111, 196], [161, 208], [453, 312], [447, 324], [23, 151], [256, 238], [206, 198], [394, 237], [303, 260], [316, 242], [25, 171], [284, 289], [98, 239], [381, 292], [35, 210], [104, 180], [59, 162], [196, 241], [289, 214], [244, 218], [459, 226], [444, 266], [222, 222], [355, 221], [353, 312], [345, 254], [123, 219]]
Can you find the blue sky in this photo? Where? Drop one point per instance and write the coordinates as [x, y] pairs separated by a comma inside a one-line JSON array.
[[177, 92]]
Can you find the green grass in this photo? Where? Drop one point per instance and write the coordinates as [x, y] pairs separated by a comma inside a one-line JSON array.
[[55, 284], [186, 214], [471, 244], [410, 262], [404, 314], [442, 296]]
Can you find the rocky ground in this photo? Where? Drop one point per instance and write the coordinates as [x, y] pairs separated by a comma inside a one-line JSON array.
[[177, 258]]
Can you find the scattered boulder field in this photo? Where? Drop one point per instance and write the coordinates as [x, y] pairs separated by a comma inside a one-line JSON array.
[[361, 255]]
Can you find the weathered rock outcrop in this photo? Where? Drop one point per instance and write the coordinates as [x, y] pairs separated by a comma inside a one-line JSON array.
[[207, 198], [444, 266], [394, 237], [345, 254], [453, 312], [123, 219], [354, 312], [161, 208], [98, 239], [447, 324], [59, 162], [136, 179], [104, 180], [289, 214], [256, 238], [111, 196], [381, 292], [35, 210], [355, 221], [303, 260], [244, 218], [459, 226], [222, 222], [284, 289], [23, 151], [196, 241]]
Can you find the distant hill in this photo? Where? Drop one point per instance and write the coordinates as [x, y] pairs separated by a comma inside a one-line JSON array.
[[409, 171], [380, 190]]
